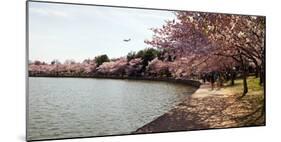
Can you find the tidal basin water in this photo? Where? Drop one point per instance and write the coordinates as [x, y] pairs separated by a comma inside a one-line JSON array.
[[82, 107]]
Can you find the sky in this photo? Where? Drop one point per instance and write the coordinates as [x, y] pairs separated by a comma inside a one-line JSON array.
[[78, 32]]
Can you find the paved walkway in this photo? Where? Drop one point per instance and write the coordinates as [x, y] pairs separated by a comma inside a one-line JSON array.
[[208, 108]]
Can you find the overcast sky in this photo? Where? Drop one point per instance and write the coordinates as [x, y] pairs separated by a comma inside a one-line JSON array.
[[60, 31]]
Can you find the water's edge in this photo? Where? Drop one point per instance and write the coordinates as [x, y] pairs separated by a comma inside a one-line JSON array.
[[155, 122], [194, 83], [190, 82]]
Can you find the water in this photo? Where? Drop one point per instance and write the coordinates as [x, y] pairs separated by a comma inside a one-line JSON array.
[[79, 107]]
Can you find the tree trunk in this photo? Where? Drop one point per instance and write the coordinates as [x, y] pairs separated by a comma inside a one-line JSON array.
[[244, 64], [232, 77], [245, 85], [261, 77], [257, 71], [262, 70], [232, 80]]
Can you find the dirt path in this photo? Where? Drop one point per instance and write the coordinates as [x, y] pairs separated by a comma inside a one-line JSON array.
[[210, 109]]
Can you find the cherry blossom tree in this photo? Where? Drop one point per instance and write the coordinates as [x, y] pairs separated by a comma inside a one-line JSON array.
[[158, 68], [116, 67], [134, 67], [204, 38]]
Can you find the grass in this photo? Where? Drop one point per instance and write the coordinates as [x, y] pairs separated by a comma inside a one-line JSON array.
[[251, 106], [254, 99], [254, 88], [255, 93]]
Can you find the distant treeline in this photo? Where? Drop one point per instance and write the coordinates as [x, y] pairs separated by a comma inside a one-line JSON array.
[[149, 62]]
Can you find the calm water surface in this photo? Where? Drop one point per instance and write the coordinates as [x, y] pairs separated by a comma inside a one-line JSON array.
[[79, 107]]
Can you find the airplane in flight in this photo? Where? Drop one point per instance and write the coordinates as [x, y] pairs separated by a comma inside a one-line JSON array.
[[127, 40]]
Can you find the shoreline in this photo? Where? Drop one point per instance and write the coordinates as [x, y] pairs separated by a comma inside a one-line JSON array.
[[206, 109], [189, 82]]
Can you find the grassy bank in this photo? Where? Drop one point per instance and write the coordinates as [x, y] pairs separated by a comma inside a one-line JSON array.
[[218, 108], [253, 86]]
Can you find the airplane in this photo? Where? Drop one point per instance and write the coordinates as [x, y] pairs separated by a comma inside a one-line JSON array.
[[127, 40]]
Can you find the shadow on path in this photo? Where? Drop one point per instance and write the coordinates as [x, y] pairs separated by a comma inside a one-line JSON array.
[[209, 109]]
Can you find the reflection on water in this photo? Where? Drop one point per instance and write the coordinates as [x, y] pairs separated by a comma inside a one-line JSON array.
[[75, 107]]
